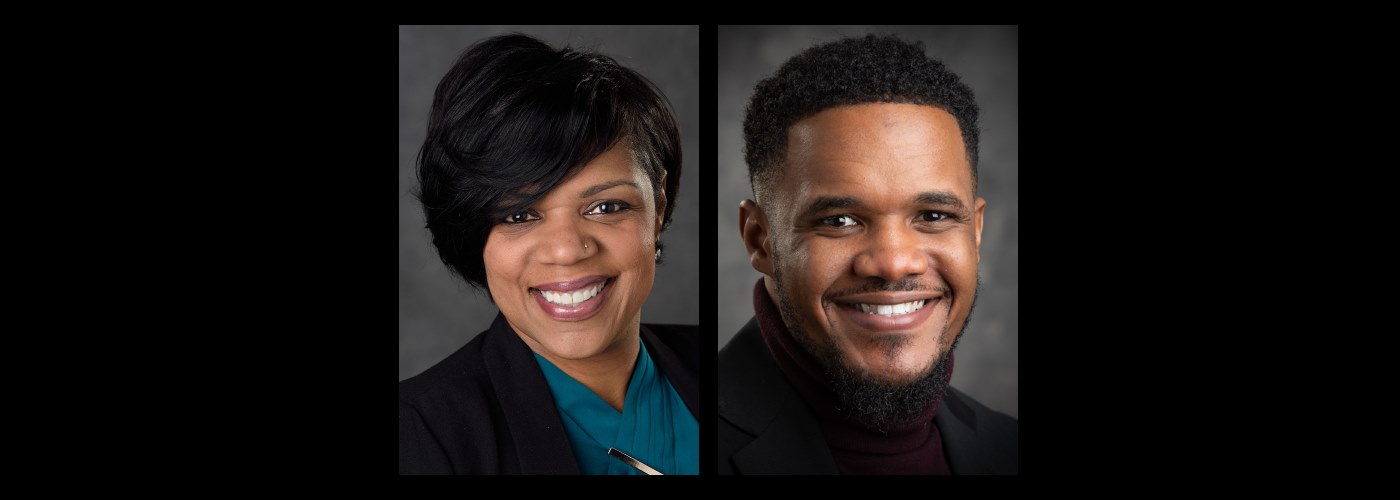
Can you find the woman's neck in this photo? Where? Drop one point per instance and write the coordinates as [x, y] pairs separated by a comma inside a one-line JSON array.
[[607, 373]]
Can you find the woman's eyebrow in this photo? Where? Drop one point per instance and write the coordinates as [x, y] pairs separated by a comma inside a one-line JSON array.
[[606, 186]]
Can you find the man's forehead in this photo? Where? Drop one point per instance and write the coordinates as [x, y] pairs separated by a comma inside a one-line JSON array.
[[875, 151], [898, 128]]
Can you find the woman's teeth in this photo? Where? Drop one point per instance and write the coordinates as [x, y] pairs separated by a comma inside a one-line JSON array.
[[892, 310], [572, 298]]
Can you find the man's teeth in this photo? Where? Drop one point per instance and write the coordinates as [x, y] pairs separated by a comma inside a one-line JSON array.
[[892, 310], [572, 298]]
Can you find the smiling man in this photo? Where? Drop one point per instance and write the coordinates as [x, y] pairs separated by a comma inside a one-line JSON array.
[[867, 227]]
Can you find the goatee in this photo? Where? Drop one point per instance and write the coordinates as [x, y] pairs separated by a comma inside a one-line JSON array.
[[865, 398]]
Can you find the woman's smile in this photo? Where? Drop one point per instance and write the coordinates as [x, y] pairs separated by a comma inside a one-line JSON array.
[[573, 300]]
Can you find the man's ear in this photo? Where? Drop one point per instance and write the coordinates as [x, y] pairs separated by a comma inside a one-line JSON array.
[[981, 204], [753, 229]]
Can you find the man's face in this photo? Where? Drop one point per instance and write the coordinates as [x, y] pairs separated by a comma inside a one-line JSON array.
[[870, 237]]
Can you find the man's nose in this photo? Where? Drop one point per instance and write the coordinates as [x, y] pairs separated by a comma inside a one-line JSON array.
[[892, 252]]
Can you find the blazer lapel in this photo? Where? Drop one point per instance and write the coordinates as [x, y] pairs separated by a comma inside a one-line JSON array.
[[957, 426], [756, 397], [534, 424], [792, 444], [670, 365]]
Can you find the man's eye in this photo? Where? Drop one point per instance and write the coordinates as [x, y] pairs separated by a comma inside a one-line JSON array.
[[610, 207], [932, 216], [520, 218], [839, 221]]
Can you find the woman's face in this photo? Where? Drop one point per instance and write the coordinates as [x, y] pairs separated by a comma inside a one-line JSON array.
[[571, 273]]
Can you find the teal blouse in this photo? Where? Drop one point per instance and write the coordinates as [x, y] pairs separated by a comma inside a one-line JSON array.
[[654, 425]]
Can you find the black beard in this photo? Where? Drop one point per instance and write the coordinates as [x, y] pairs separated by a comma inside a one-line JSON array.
[[873, 403]]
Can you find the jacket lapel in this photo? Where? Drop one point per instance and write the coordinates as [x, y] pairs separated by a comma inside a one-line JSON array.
[[957, 425], [756, 398], [670, 365], [793, 444], [529, 413]]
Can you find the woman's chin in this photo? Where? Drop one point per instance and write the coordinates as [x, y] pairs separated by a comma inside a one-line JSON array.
[[576, 351], [574, 341]]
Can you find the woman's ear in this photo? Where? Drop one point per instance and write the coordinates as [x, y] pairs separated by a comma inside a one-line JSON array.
[[661, 203]]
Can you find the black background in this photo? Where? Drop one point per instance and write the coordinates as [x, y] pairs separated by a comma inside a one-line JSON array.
[[201, 272]]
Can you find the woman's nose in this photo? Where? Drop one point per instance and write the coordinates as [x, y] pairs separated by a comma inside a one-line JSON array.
[[564, 241]]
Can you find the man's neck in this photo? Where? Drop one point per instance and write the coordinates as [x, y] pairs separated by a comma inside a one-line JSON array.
[[811, 382]]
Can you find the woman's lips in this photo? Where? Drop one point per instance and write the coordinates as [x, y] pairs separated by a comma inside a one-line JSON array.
[[572, 285], [574, 300]]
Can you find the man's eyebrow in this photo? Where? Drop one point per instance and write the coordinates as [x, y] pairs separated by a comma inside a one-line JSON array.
[[945, 198], [824, 203], [606, 186]]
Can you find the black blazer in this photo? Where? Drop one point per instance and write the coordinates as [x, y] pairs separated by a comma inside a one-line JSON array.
[[486, 409], [766, 428]]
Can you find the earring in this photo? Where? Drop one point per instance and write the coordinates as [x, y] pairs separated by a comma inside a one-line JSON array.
[[658, 255]]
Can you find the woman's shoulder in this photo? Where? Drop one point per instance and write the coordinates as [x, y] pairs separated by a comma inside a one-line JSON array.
[[687, 331], [684, 340], [458, 371], [446, 416]]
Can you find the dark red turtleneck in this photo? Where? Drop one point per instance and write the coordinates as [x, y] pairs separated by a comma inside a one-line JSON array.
[[913, 447]]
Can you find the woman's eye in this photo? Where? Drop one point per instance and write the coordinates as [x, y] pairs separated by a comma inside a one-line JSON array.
[[839, 221], [609, 207], [520, 218]]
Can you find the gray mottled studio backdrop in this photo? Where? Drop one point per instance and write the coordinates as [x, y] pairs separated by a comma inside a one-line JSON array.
[[986, 58], [439, 313]]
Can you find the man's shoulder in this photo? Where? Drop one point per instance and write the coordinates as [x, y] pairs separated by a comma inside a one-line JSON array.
[[743, 357], [741, 350], [750, 386], [985, 415], [992, 436]]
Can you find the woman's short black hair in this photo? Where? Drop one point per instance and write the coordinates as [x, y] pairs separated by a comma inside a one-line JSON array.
[[869, 69], [513, 118]]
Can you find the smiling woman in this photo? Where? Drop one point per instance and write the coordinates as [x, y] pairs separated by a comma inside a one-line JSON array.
[[547, 178]]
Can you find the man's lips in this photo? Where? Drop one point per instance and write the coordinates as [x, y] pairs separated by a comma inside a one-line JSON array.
[[886, 298], [888, 312]]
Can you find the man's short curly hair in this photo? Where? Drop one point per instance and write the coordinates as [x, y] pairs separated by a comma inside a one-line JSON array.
[[872, 69]]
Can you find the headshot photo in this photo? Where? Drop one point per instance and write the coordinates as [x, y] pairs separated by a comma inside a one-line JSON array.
[[867, 201], [548, 256]]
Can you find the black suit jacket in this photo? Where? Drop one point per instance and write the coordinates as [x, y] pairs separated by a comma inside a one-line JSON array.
[[487, 409], [766, 428]]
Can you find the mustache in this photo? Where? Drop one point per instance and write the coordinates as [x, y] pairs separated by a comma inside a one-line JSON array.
[[906, 284]]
